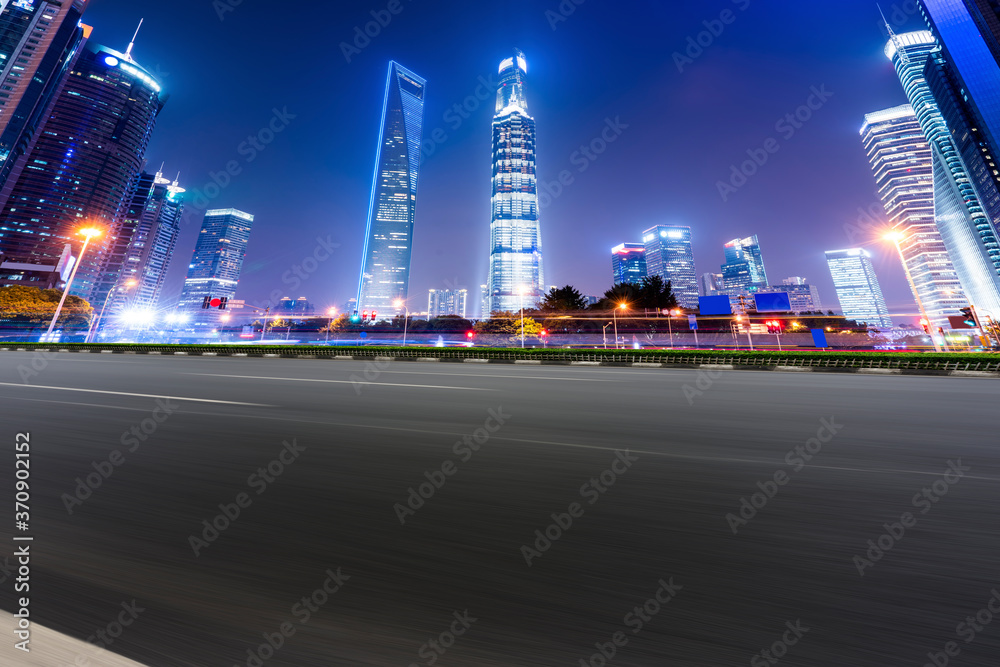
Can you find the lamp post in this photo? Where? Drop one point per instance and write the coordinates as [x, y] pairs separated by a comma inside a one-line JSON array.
[[97, 323], [623, 306], [606, 335], [898, 237], [332, 313], [88, 233], [670, 325], [520, 294], [401, 303]]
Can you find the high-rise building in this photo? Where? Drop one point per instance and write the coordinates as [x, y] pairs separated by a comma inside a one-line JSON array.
[[215, 268], [144, 247], [802, 296], [39, 43], [710, 284], [446, 302], [743, 272], [84, 167], [670, 256], [628, 263], [385, 264], [901, 162], [858, 289], [969, 234], [516, 273]]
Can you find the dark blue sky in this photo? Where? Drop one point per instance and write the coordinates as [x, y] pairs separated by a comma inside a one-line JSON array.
[[607, 60]]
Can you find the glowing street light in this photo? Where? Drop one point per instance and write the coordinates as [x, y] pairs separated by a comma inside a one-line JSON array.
[[401, 303], [622, 307], [670, 324], [88, 233], [332, 313], [97, 323]]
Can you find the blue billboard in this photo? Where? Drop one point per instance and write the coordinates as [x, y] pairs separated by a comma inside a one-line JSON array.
[[773, 302], [714, 305]]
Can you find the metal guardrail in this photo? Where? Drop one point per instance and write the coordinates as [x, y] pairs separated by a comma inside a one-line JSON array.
[[988, 363]]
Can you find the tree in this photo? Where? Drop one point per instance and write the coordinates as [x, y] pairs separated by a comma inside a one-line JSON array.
[[622, 293], [655, 294], [504, 328], [29, 307], [563, 300]]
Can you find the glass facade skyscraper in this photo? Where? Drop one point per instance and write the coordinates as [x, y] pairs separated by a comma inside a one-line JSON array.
[[901, 162], [743, 272], [968, 233], [858, 289], [516, 272], [217, 262], [628, 263], [385, 264], [441, 302], [84, 167], [39, 43], [669, 255]]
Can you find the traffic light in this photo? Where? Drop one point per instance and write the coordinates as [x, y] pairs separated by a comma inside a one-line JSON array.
[[926, 325], [364, 316], [470, 334], [374, 315], [207, 303], [544, 333], [224, 303], [354, 317], [969, 317], [774, 326]]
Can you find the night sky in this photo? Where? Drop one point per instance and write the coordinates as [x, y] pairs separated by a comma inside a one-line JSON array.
[[606, 60]]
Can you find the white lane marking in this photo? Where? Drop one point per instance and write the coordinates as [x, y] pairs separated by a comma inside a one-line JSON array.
[[126, 393], [85, 405], [516, 377], [377, 384]]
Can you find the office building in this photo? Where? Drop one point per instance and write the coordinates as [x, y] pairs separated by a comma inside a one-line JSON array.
[[516, 272], [743, 272], [969, 234], [669, 255], [39, 43], [901, 161], [446, 302], [385, 264], [628, 263], [84, 167], [803, 297], [215, 268], [710, 284], [858, 289]]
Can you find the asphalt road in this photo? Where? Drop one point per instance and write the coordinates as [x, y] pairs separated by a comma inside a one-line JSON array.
[[356, 437]]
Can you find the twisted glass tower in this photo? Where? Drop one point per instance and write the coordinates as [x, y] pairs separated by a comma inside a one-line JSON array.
[[968, 233], [385, 267], [516, 276]]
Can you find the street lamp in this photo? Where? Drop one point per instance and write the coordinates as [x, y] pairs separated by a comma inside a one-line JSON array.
[[670, 325], [520, 294], [97, 323], [606, 335], [88, 233], [622, 306], [401, 303], [897, 237], [332, 313]]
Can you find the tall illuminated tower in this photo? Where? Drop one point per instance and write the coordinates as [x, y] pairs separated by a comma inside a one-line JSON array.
[[215, 267], [743, 272], [516, 275], [858, 289], [969, 235], [670, 256], [385, 267], [901, 162]]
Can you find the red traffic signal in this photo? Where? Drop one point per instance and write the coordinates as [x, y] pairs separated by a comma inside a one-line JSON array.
[[470, 335], [544, 333], [364, 316], [374, 314]]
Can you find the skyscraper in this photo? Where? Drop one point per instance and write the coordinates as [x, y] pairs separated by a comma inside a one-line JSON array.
[[669, 255], [968, 233], [858, 290], [84, 167], [39, 42], [901, 161], [447, 302], [151, 226], [709, 284], [385, 264], [743, 272], [628, 263], [516, 273], [217, 262]]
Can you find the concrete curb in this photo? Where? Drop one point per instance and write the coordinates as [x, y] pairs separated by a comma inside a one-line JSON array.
[[562, 362]]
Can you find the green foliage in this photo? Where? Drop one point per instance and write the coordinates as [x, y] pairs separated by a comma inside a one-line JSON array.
[[563, 300]]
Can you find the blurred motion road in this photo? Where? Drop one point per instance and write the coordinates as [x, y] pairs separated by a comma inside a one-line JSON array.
[[318, 458]]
